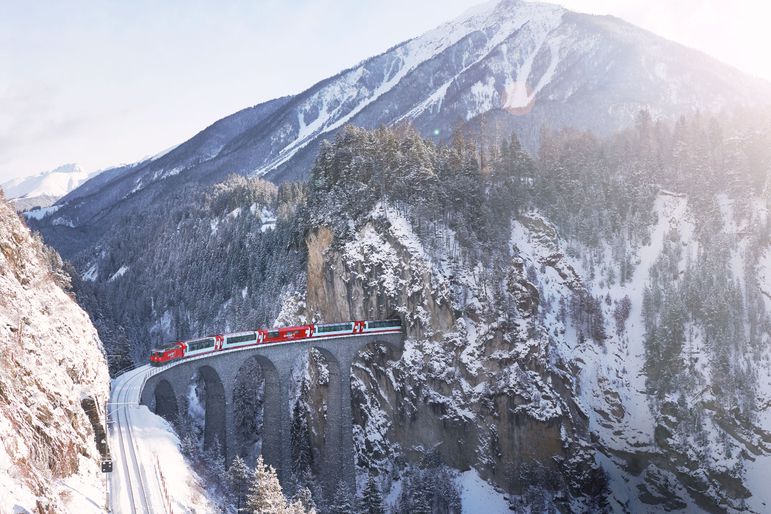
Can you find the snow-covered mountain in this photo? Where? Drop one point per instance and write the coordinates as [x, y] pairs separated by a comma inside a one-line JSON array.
[[503, 66], [52, 371], [45, 188]]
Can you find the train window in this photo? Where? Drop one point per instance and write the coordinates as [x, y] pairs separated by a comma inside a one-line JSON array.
[[384, 324], [322, 329], [200, 344], [241, 339], [273, 333], [165, 346]]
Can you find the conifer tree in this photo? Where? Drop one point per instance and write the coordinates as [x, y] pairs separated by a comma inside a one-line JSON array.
[[215, 459], [296, 507], [238, 480], [305, 497], [265, 495], [372, 500], [300, 438], [341, 503]]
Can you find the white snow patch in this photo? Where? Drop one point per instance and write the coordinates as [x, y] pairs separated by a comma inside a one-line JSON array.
[[479, 496], [764, 277], [41, 212], [121, 271], [92, 273], [66, 222], [268, 218]]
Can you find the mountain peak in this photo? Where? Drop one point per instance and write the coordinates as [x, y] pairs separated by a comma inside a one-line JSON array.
[[509, 66], [54, 183], [70, 167]]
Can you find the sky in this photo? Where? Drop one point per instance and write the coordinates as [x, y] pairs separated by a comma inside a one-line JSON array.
[[102, 83]]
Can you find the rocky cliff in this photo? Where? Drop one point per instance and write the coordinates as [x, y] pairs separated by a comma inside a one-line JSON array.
[[51, 367], [479, 380]]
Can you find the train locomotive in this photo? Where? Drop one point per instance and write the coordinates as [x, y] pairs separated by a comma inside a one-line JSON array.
[[223, 342]]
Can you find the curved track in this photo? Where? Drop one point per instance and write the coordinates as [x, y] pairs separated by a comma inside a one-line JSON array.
[[129, 487]]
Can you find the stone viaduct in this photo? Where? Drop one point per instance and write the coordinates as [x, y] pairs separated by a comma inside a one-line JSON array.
[[164, 391]]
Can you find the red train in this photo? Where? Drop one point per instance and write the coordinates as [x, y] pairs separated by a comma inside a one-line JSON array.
[[223, 342]]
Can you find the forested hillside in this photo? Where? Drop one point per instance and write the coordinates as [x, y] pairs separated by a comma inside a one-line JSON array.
[[207, 260]]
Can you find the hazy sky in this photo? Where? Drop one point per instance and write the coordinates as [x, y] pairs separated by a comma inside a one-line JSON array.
[[102, 83]]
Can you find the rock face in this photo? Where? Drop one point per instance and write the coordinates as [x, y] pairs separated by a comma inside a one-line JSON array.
[[482, 380], [485, 393], [50, 362]]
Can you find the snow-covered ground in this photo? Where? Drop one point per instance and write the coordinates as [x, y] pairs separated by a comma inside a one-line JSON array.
[[628, 351], [41, 212], [50, 361], [149, 472], [479, 496]]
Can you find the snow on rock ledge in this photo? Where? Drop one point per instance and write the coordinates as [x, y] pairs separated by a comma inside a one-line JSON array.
[[50, 359]]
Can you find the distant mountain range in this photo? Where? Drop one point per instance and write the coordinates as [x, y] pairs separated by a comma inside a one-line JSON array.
[[506, 66], [45, 188]]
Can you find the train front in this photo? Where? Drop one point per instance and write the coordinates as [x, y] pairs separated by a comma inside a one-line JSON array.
[[166, 353]]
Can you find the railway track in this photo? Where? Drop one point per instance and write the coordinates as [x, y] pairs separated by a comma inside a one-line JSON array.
[[131, 481]]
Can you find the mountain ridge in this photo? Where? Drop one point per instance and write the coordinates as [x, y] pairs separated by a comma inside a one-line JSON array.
[[512, 66]]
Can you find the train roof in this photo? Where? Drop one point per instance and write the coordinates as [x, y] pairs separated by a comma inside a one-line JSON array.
[[243, 333], [166, 346], [289, 327]]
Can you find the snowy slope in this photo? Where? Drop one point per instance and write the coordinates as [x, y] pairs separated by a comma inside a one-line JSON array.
[[51, 359], [337, 103], [622, 408], [651, 456]]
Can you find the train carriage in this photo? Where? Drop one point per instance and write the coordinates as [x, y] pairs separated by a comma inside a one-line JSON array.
[[389, 325], [241, 340], [285, 334], [336, 329], [202, 346]]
